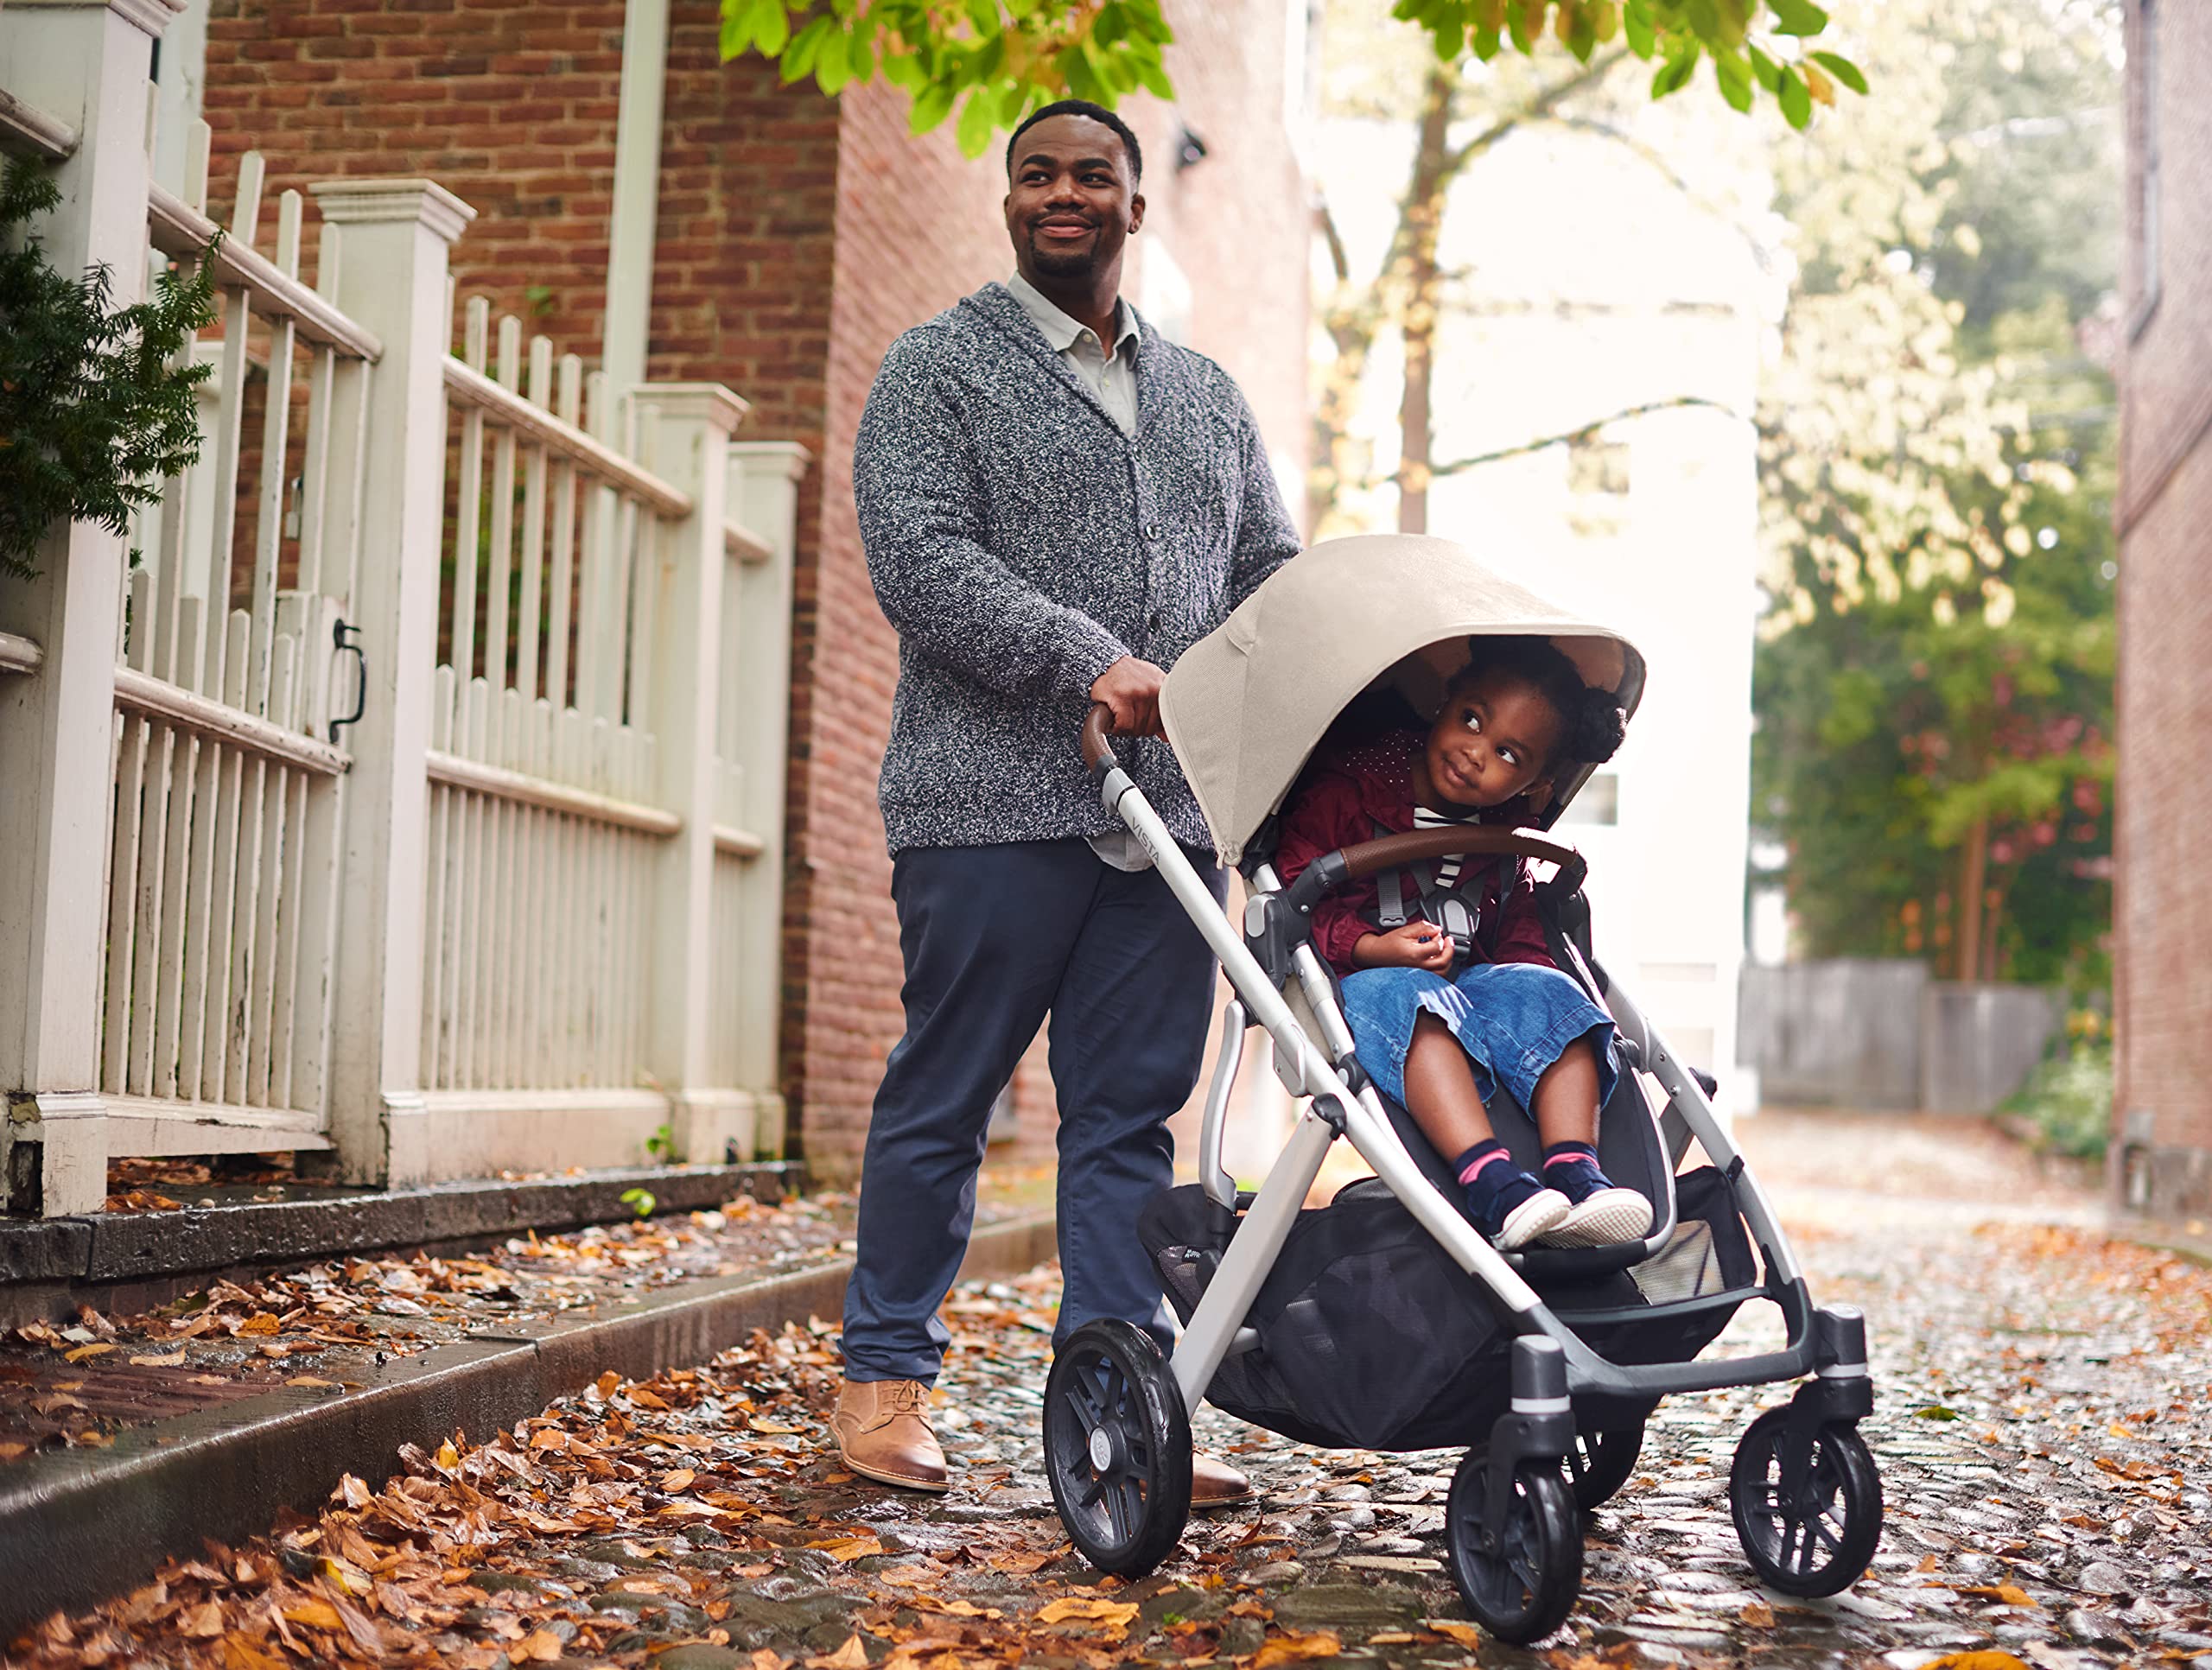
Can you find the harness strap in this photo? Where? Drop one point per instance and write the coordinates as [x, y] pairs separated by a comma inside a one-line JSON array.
[[1456, 909], [1389, 898]]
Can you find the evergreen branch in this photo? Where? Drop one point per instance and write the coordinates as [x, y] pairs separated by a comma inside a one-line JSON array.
[[96, 402]]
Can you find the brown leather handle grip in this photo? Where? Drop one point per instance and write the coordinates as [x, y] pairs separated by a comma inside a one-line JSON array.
[[1395, 852], [1097, 752]]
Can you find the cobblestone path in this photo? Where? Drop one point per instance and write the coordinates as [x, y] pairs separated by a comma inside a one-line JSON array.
[[2042, 1426]]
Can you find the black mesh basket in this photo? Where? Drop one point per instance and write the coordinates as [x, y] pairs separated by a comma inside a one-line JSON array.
[[1372, 1338]]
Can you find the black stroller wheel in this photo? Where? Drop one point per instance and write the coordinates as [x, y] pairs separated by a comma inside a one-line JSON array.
[[1117, 1448], [1521, 1588], [1601, 1464], [1807, 1508]]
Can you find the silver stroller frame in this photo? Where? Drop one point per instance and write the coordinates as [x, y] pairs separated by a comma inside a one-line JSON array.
[[1551, 1365]]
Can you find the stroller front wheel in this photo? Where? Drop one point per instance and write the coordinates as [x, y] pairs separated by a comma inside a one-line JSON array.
[[1522, 1586], [1117, 1447], [1806, 1503]]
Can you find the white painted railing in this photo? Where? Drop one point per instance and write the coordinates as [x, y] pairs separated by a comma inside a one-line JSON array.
[[543, 835], [18, 654], [223, 867], [524, 913]]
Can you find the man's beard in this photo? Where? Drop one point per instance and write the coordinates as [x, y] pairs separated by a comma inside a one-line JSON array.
[[1063, 263]]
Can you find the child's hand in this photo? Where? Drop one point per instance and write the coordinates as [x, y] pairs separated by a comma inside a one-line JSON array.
[[1415, 945]]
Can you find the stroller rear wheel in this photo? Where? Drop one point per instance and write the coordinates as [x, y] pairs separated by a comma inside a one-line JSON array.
[[1117, 1447], [1521, 1585], [1806, 1502], [1601, 1464]]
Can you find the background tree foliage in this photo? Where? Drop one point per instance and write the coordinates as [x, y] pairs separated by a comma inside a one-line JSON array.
[[1384, 320], [1933, 686], [1000, 59]]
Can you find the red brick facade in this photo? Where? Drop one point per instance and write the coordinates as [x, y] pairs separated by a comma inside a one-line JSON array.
[[797, 235], [2163, 1099]]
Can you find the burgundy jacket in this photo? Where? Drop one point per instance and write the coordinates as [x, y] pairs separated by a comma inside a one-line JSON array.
[[1345, 794]]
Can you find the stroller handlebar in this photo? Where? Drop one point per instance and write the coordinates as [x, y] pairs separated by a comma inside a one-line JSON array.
[[1097, 752]]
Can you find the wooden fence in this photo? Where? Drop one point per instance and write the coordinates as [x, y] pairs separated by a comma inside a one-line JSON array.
[[1880, 1033], [442, 714]]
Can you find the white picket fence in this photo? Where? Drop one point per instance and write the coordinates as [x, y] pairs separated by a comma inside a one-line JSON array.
[[522, 913]]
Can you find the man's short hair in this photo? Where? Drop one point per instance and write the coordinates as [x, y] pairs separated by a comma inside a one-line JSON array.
[[1097, 113]]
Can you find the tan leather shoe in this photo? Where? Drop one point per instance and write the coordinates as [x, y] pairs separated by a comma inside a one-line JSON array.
[[1217, 1484], [883, 1433]]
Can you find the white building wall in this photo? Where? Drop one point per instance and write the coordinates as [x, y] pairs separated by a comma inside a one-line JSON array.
[[1589, 283]]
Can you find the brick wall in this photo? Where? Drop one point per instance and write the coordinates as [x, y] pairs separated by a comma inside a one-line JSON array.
[[797, 235], [511, 106], [2163, 901], [918, 226], [917, 229]]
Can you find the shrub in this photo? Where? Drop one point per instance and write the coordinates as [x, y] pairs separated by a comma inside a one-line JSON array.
[[2069, 1101], [95, 406]]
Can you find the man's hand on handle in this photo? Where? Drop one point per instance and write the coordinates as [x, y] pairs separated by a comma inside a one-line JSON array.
[[1131, 689]]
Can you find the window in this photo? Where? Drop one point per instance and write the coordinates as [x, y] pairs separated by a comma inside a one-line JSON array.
[[1167, 294], [1598, 801], [1596, 467]]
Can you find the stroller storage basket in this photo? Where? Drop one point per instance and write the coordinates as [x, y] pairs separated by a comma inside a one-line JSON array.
[[1371, 1337]]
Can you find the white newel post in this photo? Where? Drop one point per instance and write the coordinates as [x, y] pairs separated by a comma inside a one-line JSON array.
[[87, 65], [393, 237], [687, 428], [764, 477]]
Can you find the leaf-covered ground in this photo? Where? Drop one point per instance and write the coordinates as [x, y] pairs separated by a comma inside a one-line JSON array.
[[75, 1384], [2042, 1428]]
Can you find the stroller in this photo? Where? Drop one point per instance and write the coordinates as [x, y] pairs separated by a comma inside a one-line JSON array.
[[1384, 1320]]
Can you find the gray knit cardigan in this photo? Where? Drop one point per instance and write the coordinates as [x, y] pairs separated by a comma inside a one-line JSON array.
[[1020, 543]]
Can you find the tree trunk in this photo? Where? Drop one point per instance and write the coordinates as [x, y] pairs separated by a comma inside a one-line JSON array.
[[1992, 967], [1426, 197], [1975, 870], [1356, 313], [1332, 462]]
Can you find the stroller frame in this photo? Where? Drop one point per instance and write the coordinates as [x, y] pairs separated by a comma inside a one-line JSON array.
[[1552, 1366]]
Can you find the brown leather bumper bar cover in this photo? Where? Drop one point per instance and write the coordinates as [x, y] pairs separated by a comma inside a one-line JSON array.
[[1395, 852]]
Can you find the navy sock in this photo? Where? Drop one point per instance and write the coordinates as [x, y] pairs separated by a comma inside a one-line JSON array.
[[1572, 1168], [1494, 1184]]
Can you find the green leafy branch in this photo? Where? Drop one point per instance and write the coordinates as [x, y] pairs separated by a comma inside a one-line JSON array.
[[96, 409], [1676, 34], [996, 59]]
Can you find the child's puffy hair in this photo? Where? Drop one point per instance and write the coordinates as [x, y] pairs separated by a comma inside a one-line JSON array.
[[1594, 723]]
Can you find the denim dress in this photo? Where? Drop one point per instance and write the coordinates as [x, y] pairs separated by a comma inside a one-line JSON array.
[[1514, 1019]]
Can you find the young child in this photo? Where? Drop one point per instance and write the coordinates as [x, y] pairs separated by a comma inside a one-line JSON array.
[[1450, 990]]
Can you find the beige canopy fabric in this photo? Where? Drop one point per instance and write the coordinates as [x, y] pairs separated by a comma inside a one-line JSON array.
[[1247, 703]]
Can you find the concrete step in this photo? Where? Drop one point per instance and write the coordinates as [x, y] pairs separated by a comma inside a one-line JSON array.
[[134, 1260]]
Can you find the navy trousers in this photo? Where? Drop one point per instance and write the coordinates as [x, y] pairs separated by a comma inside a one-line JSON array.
[[994, 938]]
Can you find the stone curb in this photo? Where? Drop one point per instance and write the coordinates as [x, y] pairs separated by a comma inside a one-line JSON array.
[[2161, 1235], [48, 1268], [80, 1525]]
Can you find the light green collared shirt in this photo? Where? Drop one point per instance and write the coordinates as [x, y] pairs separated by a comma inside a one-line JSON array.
[[1112, 378]]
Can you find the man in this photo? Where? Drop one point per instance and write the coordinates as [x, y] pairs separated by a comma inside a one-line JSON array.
[[1056, 502]]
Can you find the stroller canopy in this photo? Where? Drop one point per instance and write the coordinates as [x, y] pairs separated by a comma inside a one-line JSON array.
[[1246, 705]]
